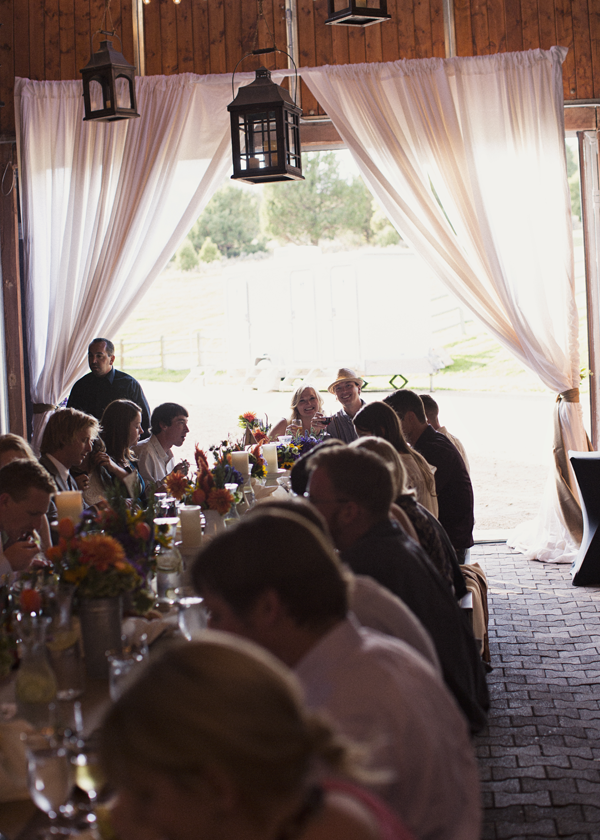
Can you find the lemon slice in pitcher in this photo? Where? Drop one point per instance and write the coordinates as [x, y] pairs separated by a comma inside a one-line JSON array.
[[63, 639]]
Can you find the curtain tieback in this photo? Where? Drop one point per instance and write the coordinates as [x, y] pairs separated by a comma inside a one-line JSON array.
[[571, 396], [42, 408]]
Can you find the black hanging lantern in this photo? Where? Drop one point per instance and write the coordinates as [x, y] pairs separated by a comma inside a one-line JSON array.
[[357, 12], [108, 81], [265, 131]]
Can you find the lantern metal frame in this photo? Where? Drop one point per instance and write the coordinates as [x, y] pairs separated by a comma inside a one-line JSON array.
[[265, 128], [356, 13], [106, 67]]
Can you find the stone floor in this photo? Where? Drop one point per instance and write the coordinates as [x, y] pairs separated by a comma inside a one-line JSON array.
[[540, 754]]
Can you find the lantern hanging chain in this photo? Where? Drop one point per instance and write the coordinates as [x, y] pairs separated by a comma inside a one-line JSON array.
[[261, 15], [106, 19]]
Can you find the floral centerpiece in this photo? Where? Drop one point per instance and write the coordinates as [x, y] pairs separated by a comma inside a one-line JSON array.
[[207, 486], [288, 453], [255, 428], [94, 562]]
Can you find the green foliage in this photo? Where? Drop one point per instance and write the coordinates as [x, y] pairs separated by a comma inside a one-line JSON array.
[[322, 206], [575, 195], [383, 231], [209, 251], [572, 167], [231, 220], [187, 258]]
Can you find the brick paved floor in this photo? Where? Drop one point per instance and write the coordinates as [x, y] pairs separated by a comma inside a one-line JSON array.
[[540, 754]]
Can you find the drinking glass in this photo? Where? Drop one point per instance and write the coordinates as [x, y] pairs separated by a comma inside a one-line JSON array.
[[50, 778], [122, 670], [191, 613], [88, 774]]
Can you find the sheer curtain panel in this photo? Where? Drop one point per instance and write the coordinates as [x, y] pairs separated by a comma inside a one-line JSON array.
[[466, 156], [105, 206]]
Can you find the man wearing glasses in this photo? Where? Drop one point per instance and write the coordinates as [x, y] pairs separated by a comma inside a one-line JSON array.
[[346, 389]]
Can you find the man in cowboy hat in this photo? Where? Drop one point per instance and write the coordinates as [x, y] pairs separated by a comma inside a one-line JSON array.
[[346, 389]]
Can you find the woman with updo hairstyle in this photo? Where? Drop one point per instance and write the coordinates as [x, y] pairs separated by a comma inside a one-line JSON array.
[[121, 428], [306, 405], [213, 742], [424, 527], [379, 420]]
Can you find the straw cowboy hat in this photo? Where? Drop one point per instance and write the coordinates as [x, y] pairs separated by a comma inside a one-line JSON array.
[[346, 375]]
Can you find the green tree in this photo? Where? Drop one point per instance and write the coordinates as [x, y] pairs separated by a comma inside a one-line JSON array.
[[384, 233], [187, 258], [232, 221], [209, 251], [320, 207]]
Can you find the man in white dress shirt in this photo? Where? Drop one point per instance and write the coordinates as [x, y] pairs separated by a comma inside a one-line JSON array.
[[275, 579], [25, 489], [169, 428]]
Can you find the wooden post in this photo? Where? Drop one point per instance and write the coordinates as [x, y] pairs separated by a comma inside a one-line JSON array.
[[589, 167], [11, 277]]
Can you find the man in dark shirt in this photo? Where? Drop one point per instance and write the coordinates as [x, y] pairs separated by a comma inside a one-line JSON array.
[[93, 392], [452, 481], [352, 489]]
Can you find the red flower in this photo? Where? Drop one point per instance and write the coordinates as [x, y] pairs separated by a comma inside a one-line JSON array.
[[66, 529], [142, 531], [198, 497], [31, 600], [260, 436]]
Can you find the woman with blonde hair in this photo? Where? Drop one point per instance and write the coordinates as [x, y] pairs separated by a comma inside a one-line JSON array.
[[213, 742], [379, 420], [307, 407]]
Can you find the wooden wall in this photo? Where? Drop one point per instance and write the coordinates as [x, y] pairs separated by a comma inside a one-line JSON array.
[[50, 39]]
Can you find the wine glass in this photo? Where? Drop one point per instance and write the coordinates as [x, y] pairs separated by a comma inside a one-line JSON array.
[[88, 774], [50, 778]]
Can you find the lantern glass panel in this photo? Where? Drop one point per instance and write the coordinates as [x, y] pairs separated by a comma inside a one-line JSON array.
[[292, 133], [258, 140], [123, 90], [96, 98]]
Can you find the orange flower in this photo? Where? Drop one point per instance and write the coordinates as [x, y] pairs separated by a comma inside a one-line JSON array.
[[177, 484], [101, 551], [249, 416], [201, 459], [66, 529], [260, 436], [31, 600], [220, 499], [54, 553], [198, 496]]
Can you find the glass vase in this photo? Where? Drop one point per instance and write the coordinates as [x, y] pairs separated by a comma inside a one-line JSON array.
[[36, 685]]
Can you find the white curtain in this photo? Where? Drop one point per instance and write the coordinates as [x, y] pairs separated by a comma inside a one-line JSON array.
[[105, 206], [466, 155]]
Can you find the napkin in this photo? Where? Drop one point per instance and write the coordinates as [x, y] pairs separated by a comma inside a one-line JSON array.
[[13, 764], [134, 627]]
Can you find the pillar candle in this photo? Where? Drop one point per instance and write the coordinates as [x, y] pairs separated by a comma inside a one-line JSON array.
[[240, 461], [191, 529], [269, 452], [69, 505]]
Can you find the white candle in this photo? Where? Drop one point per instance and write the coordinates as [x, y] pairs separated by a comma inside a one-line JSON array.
[[240, 461], [191, 529], [269, 452], [69, 505]]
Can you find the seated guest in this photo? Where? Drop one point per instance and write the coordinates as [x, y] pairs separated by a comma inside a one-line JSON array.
[[121, 428], [300, 470], [214, 741], [67, 439], [380, 420], [432, 412], [25, 491], [105, 384], [346, 388], [353, 489], [169, 428], [275, 579], [98, 477], [307, 407], [452, 482], [372, 604], [423, 526], [13, 448]]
